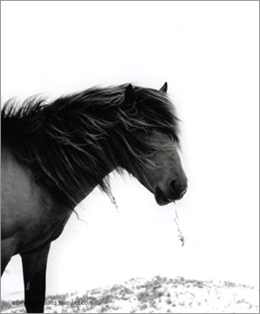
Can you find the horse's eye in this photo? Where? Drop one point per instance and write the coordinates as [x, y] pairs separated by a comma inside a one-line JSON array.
[[172, 139]]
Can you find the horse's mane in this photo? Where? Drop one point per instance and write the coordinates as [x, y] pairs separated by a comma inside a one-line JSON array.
[[70, 142]]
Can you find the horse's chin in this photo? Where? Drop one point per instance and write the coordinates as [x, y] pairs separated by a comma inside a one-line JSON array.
[[161, 198]]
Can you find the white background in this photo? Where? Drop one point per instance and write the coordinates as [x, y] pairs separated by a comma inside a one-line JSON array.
[[208, 52]]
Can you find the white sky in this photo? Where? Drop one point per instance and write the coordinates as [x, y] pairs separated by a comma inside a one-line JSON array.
[[208, 52]]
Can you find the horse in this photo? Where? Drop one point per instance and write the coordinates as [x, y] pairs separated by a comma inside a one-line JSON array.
[[54, 153]]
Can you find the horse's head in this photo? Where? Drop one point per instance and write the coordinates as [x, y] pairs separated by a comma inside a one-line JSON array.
[[155, 144], [165, 177]]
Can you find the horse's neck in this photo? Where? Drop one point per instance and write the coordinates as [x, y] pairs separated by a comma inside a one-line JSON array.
[[89, 187]]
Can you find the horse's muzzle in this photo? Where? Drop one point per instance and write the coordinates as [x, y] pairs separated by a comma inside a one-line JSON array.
[[174, 193]]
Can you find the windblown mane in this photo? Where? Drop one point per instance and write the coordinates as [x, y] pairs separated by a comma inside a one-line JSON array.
[[70, 142]]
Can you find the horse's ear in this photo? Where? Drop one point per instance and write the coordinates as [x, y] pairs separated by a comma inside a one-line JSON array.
[[129, 94], [164, 88]]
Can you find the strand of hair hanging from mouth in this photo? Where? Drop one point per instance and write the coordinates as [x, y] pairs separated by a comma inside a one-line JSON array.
[[176, 220]]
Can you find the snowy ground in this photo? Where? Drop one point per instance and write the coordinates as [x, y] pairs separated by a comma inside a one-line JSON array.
[[158, 295]]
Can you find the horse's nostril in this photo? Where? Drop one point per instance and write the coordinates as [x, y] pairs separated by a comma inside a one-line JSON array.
[[173, 184], [179, 187]]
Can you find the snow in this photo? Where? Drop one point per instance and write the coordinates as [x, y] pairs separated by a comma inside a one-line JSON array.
[[155, 295]]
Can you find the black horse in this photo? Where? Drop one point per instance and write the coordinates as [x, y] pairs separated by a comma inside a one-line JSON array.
[[54, 155]]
